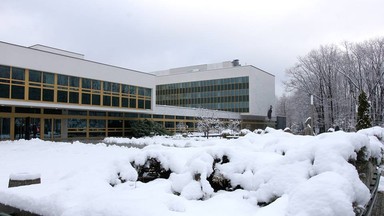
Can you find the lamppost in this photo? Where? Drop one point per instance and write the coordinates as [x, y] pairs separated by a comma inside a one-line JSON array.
[[312, 112]]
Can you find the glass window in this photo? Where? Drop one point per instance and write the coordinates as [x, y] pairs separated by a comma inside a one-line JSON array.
[[95, 113], [115, 101], [27, 110], [18, 73], [148, 92], [106, 100], [86, 83], [85, 98], [73, 97], [158, 116], [5, 131], [77, 112], [77, 123], [4, 91], [97, 134], [141, 91], [116, 87], [140, 104], [132, 90], [95, 99], [62, 96], [5, 71], [169, 124], [96, 84], [35, 94], [48, 95], [48, 78], [74, 81], [17, 92], [62, 80], [125, 89], [124, 102], [96, 123], [147, 104], [34, 76], [106, 86], [52, 111], [115, 124], [115, 114], [131, 115], [147, 116], [169, 116], [132, 103]]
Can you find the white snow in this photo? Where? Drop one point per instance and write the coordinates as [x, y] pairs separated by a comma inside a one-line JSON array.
[[24, 176], [277, 174]]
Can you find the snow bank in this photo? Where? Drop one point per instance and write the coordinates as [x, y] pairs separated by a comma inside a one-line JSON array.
[[172, 141], [270, 173]]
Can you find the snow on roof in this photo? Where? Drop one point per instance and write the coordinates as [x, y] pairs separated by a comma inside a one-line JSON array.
[[275, 174]]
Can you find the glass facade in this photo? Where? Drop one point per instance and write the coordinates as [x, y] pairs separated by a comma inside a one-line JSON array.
[[62, 124], [33, 85], [230, 94]]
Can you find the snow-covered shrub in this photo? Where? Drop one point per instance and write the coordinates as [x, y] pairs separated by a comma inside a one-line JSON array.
[[258, 131], [244, 132], [288, 130], [151, 170], [226, 132]]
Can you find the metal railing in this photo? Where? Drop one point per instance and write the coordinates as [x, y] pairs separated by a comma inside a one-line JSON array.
[[373, 187]]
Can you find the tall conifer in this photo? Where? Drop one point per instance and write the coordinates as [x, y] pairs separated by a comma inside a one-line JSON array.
[[363, 120]]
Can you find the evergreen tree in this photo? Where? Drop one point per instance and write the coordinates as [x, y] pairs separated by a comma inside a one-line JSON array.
[[363, 120], [146, 127]]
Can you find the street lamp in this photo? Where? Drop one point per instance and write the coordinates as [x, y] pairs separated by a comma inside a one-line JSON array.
[[312, 112]]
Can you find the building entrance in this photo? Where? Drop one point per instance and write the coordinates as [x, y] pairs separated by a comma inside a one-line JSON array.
[[27, 128]]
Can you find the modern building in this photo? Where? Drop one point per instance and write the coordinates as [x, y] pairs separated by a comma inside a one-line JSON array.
[[55, 94]]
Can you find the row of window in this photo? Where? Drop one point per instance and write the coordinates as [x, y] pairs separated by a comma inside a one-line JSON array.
[[84, 113], [231, 94], [226, 102], [205, 83], [19, 83], [185, 99], [216, 88]]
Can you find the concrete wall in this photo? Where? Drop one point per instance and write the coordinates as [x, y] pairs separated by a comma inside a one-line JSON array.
[[262, 91]]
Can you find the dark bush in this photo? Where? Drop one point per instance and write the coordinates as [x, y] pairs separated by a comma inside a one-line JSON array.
[[151, 170], [146, 127]]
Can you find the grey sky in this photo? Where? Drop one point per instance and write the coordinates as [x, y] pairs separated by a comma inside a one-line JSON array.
[[150, 35]]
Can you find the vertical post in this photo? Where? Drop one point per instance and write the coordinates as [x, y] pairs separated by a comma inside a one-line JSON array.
[[12, 124], [312, 113], [42, 127], [1, 128]]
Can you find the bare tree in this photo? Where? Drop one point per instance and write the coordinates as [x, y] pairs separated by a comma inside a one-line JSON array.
[[234, 125], [207, 121], [335, 76], [182, 127]]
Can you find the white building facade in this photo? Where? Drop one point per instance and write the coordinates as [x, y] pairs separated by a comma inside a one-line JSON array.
[[58, 95]]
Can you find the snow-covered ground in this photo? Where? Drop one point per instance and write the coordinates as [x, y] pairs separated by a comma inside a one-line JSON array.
[[278, 174]]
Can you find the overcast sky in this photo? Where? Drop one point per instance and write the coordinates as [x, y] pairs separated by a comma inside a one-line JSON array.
[[150, 35]]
